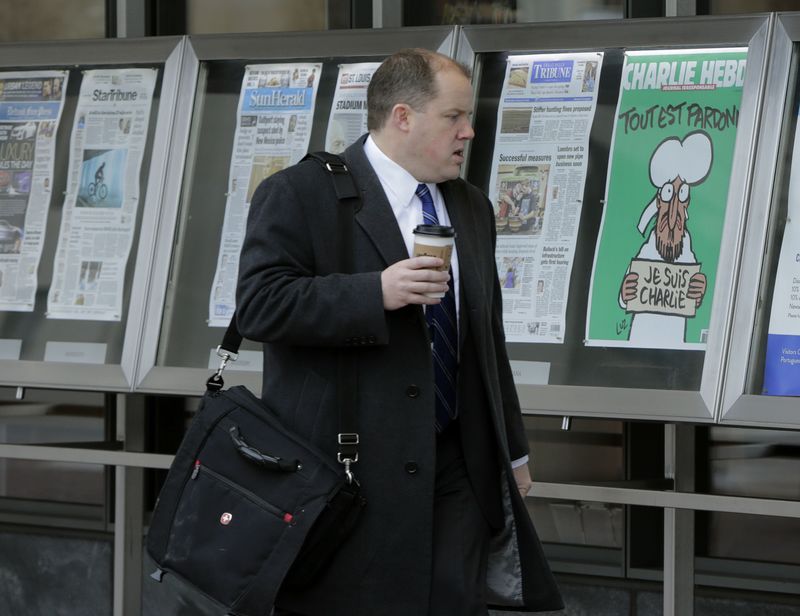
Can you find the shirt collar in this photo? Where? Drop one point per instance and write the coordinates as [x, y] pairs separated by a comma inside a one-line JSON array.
[[398, 184]]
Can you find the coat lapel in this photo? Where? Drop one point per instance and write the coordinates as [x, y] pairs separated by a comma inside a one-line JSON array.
[[462, 217], [375, 216]]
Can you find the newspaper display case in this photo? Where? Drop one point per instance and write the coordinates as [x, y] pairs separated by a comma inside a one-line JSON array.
[[762, 382], [182, 329], [74, 272], [573, 375]]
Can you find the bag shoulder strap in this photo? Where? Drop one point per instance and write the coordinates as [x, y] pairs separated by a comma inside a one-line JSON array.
[[348, 197]]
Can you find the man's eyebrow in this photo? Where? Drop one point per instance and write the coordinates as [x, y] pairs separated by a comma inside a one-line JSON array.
[[469, 111]]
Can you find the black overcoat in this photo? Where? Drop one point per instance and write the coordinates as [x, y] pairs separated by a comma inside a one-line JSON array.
[[292, 298]]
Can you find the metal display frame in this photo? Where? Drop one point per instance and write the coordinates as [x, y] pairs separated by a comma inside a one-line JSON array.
[[107, 53], [751, 31], [154, 378], [722, 396], [739, 406]]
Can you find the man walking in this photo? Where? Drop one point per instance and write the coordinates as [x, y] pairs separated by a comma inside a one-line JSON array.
[[445, 531]]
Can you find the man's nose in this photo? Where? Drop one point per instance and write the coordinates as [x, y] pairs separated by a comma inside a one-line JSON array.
[[467, 132]]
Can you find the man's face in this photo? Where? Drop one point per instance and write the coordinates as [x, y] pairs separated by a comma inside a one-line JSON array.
[[673, 201], [439, 132]]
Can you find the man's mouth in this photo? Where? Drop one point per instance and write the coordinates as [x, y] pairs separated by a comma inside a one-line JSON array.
[[459, 154]]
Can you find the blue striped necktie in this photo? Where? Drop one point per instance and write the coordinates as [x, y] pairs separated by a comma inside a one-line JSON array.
[[443, 328]]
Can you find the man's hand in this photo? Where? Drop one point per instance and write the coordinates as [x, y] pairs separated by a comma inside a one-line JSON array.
[[406, 282], [697, 288], [629, 286], [522, 475]]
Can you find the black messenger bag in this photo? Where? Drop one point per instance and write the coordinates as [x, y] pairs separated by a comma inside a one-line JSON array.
[[248, 506]]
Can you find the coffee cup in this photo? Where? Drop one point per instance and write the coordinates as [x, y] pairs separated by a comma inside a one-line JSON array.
[[435, 241]]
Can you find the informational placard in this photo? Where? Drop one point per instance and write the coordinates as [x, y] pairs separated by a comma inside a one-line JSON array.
[[546, 110], [666, 193], [30, 111], [98, 222], [348, 119], [273, 129], [782, 361]]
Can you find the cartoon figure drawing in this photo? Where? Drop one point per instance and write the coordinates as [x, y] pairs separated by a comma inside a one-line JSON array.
[[675, 167]]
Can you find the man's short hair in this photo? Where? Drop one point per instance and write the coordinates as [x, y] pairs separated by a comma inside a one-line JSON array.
[[408, 76]]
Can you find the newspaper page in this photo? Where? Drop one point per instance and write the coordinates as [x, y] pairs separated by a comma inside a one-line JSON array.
[[546, 111], [348, 119], [782, 361], [98, 223], [273, 129], [30, 112], [669, 169]]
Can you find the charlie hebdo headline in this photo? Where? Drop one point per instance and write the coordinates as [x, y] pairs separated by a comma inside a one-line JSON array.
[[273, 130], [108, 139], [31, 103], [545, 116]]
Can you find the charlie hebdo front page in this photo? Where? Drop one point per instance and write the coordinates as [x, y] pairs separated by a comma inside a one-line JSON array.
[[546, 111], [273, 130], [30, 111], [97, 226]]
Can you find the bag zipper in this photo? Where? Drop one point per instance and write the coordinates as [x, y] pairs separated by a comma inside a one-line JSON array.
[[283, 515]]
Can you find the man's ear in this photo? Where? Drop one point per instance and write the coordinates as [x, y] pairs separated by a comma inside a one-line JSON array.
[[400, 116]]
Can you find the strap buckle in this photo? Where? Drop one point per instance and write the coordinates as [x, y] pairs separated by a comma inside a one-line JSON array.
[[215, 381], [335, 167], [348, 438], [348, 441], [226, 357]]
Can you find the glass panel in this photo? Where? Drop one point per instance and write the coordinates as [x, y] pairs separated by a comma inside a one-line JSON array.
[[36, 328], [572, 363], [591, 451], [730, 7], [52, 418], [186, 339], [41, 20], [212, 16], [755, 464], [507, 11]]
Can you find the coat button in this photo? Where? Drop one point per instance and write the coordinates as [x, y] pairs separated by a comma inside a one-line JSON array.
[[411, 467], [412, 391]]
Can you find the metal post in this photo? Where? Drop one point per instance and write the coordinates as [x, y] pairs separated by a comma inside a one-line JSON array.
[[130, 18], [680, 8], [128, 511], [387, 13], [679, 463]]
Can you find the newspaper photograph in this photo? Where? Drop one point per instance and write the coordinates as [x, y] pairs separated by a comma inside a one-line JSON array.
[[102, 199], [30, 112], [544, 119], [274, 117], [348, 119]]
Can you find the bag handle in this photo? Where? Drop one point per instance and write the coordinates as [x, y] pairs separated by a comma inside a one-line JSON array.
[[251, 454], [346, 393]]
